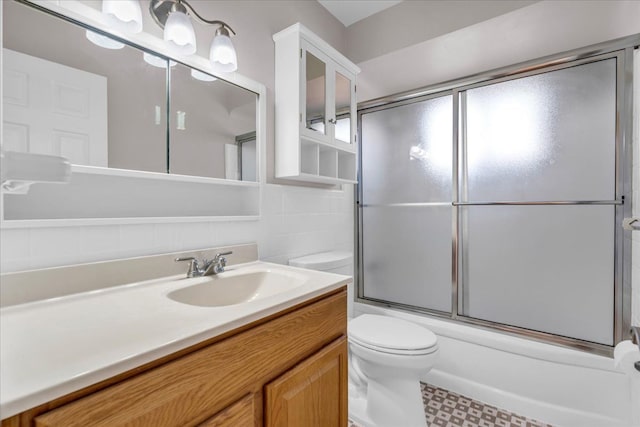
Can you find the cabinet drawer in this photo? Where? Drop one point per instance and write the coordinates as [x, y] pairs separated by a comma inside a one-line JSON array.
[[189, 390]]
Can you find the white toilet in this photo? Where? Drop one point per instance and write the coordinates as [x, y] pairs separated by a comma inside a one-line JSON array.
[[387, 358], [390, 356]]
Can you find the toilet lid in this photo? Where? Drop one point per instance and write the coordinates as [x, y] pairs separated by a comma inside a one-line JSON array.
[[390, 333]]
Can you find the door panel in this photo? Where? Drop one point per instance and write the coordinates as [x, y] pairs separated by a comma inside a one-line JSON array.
[[54, 109]]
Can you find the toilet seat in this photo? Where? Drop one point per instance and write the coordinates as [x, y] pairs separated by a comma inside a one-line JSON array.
[[418, 352], [391, 335]]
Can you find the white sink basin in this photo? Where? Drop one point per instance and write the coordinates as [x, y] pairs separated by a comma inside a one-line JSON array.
[[233, 288]]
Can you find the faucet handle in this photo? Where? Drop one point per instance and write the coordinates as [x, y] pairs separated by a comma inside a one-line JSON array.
[[222, 254], [193, 265], [220, 262]]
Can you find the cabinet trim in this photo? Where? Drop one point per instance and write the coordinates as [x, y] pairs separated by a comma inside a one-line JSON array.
[[319, 43]]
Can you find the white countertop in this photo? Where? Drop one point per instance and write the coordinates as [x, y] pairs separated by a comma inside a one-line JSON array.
[[53, 347]]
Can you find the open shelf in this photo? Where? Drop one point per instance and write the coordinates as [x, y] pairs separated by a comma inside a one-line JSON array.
[[309, 157], [325, 163], [347, 165], [328, 162]]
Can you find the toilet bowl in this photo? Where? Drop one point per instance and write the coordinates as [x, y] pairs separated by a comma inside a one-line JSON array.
[[388, 358]]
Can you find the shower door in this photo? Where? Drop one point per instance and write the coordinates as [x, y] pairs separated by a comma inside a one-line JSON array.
[[406, 195], [498, 203], [537, 201]]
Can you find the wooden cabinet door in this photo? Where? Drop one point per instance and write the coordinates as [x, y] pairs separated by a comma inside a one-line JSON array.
[[312, 394], [240, 414]]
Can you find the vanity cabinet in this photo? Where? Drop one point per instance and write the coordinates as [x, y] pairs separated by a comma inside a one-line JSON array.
[[315, 107], [289, 369], [310, 394]]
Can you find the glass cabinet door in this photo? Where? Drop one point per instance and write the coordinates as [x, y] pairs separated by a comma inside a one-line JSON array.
[[316, 93], [342, 99]]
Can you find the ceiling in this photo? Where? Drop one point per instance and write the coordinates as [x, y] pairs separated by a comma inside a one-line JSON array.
[[351, 11]]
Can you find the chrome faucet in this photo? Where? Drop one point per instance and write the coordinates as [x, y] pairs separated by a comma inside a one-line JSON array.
[[208, 267]]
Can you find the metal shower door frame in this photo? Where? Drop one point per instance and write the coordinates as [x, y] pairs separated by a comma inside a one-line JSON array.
[[622, 51]]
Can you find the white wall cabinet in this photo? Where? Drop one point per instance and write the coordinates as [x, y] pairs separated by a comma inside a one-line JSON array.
[[315, 109]]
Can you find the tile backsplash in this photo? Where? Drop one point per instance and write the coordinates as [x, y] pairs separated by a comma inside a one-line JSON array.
[[295, 221]]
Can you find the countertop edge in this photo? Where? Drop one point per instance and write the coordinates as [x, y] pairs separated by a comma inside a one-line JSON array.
[[39, 397]]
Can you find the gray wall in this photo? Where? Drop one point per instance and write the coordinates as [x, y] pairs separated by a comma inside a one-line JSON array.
[[412, 22], [540, 29]]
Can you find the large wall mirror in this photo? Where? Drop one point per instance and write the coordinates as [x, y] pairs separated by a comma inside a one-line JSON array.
[[72, 92]]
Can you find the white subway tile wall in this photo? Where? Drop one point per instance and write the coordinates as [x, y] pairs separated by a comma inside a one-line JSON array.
[[295, 221]]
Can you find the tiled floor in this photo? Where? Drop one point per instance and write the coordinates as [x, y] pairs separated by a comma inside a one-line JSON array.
[[447, 409]]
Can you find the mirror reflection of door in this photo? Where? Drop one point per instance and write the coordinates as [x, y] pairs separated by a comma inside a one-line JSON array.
[[316, 93], [50, 108], [241, 158]]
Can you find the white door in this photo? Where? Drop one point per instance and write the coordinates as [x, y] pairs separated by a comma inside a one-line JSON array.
[[50, 108]]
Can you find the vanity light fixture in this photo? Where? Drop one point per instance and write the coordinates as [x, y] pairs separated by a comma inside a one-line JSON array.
[[178, 31], [222, 53], [173, 16], [123, 15]]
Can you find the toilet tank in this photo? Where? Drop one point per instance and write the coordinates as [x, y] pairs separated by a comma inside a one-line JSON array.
[[339, 262]]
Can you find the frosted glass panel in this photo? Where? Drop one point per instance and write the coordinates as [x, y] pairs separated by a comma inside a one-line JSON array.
[[406, 153], [546, 268], [407, 255], [544, 137]]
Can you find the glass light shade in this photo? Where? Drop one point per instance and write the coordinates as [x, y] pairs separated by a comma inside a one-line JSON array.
[[179, 33], [156, 61], [223, 55], [102, 41], [199, 75], [123, 15]]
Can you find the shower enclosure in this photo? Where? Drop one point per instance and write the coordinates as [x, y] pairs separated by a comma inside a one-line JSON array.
[[498, 201]]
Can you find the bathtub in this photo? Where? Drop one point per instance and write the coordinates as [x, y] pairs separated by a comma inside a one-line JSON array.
[[557, 385]]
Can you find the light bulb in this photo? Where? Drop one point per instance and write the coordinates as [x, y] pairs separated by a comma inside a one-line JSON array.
[[103, 41], [222, 53], [179, 33], [123, 15]]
